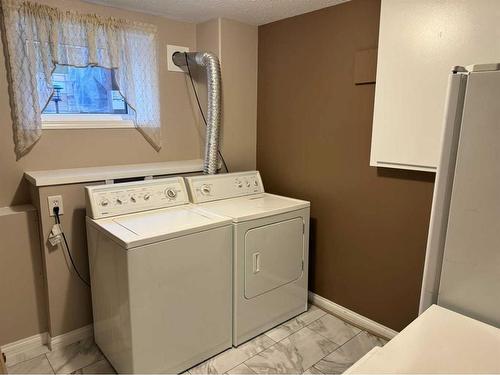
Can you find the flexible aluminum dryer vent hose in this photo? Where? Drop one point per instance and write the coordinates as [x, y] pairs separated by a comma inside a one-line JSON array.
[[212, 67]]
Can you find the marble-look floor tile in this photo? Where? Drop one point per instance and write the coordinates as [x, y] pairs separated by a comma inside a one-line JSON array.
[[286, 329], [334, 329], [241, 369], [233, 357], [345, 356], [99, 367], [312, 370], [37, 365], [74, 356], [292, 355]]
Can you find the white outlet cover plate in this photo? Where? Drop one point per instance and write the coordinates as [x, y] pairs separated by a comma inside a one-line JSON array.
[[170, 51], [55, 200]]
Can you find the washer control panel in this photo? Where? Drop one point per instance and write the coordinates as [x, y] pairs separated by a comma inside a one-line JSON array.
[[129, 197], [208, 188]]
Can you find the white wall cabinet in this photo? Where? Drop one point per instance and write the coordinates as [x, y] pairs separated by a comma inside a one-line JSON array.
[[419, 43]]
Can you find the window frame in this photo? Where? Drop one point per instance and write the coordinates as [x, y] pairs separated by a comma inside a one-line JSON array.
[[86, 121]]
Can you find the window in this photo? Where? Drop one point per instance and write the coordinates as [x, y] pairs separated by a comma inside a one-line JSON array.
[[42, 41], [85, 97]]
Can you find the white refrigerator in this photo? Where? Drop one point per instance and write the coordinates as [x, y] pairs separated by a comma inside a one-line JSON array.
[[462, 264]]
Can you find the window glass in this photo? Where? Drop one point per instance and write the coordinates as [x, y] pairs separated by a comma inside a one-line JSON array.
[[89, 90]]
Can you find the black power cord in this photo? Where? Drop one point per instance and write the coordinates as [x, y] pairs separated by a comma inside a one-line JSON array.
[[201, 110], [58, 221]]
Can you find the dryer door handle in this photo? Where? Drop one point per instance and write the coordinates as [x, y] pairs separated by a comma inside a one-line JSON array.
[[256, 262]]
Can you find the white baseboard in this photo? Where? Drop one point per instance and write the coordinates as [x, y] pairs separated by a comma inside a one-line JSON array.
[[351, 317], [31, 347], [71, 337]]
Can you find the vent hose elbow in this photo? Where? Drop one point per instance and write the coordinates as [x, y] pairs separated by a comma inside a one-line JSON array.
[[211, 64]]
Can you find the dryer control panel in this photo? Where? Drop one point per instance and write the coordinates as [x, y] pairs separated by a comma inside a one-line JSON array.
[[209, 188], [129, 197]]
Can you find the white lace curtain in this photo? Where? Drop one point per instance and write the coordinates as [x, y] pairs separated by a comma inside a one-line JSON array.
[[39, 37]]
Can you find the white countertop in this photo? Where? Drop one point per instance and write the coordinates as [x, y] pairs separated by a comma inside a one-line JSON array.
[[79, 175], [439, 341]]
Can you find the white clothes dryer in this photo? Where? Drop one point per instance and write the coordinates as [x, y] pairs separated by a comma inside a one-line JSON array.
[[160, 275], [270, 249]]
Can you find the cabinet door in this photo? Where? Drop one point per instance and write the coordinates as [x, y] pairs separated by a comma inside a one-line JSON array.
[[419, 43]]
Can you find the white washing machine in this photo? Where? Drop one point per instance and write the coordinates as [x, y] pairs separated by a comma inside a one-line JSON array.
[[161, 273], [270, 244]]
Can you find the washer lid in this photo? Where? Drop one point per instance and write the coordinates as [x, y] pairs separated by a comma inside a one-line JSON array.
[[158, 225], [255, 206]]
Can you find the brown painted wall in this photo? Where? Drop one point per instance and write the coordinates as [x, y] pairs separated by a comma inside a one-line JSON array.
[[369, 226]]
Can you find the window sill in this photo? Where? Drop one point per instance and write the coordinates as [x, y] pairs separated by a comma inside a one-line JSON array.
[[60, 122]]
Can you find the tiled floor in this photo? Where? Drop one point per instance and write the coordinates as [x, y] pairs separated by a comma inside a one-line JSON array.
[[312, 343]]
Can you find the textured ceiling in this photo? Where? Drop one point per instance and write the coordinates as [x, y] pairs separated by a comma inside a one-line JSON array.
[[254, 12]]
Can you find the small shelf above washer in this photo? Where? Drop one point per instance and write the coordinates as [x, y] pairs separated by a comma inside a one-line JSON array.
[[79, 175]]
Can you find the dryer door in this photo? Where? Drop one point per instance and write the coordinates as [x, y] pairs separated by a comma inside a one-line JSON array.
[[274, 256]]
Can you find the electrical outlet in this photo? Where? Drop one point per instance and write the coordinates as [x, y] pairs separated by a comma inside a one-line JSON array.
[[55, 201], [170, 51]]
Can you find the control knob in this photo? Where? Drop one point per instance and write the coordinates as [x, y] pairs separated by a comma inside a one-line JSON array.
[[205, 189], [104, 202], [171, 193], [147, 196]]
